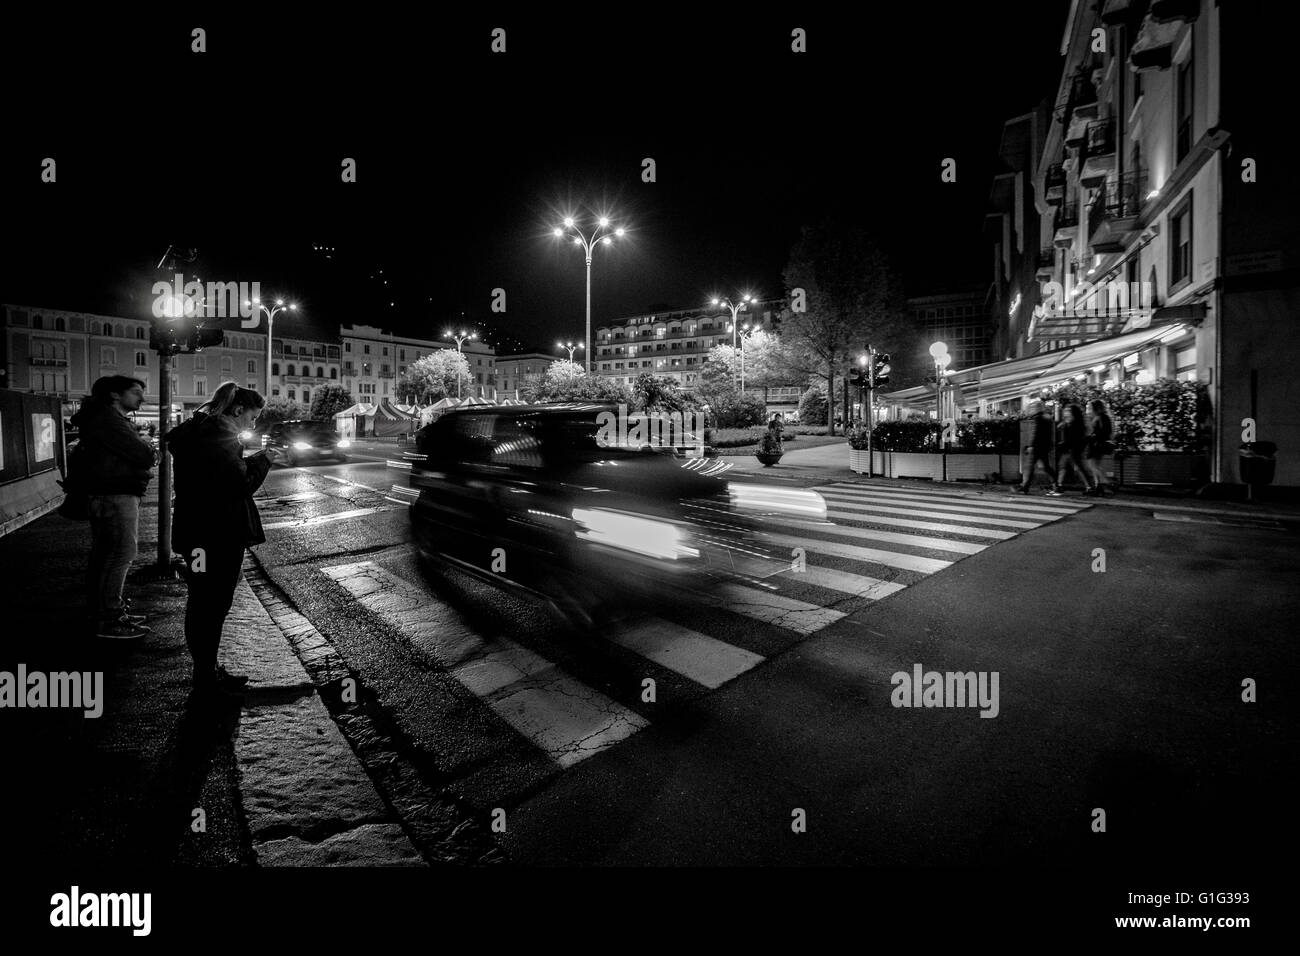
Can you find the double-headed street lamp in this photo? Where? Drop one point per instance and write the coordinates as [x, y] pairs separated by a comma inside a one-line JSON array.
[[270, 312], [589, 243], [746, 330], [570, 347], [741, 306], [461, 338]]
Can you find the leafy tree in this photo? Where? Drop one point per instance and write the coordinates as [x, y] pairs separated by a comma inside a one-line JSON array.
[[329, 401], [851, 297], [434, 376], [566, 381], [654, 394], [814, 408], [735, 411], [281, 410]]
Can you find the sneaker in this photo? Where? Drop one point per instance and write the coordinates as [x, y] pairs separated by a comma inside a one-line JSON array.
[[225, 679], [1023, 490], [121, 630], [1055, 494]]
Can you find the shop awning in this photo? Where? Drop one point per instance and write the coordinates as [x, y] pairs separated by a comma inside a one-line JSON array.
[[1002, 381]]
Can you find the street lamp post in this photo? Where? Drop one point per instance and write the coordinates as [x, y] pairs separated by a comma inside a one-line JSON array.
[[939, 352], [742, 306], [270, 312], [461, 339], [589, 243], [745, 332], [569, 347]]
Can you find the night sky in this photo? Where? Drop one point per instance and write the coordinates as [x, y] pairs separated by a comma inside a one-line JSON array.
[[466, 160]]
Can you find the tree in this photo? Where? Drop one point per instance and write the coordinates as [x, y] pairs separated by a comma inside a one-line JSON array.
[[814, 407], [654, 394], [851, 297], [434, 376], [566, 381], [329, 401], [280, 410]]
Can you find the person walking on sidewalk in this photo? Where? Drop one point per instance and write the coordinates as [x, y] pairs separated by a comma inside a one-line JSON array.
[[112, 464], [215, 519], [1039, 451], [1101, 434], [1070, 449]]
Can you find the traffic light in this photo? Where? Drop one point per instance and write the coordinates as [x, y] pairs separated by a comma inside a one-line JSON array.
[[881, 371], [858, 377], [203, 338]]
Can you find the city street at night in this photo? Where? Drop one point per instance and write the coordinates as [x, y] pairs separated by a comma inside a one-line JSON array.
[[557, 469]]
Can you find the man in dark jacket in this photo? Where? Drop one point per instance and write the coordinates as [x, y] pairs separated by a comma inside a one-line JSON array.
[[1039, 451], [214, 520], [112, 465]]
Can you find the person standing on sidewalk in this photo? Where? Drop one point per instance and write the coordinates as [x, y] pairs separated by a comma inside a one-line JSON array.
[[1039, 451], [112, 464], [1101, 433], [215, 519], [1070, 449]]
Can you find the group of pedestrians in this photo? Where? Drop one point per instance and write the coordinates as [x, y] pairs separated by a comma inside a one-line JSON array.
[[1080, 444], [214, 517]]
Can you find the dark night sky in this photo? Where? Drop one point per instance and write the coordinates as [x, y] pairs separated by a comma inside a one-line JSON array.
[[466, 160]]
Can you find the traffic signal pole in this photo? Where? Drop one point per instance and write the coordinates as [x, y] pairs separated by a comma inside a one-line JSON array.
[[871, 387], [164, 462]]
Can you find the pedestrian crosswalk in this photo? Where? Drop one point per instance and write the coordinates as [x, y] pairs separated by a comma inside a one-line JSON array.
[[875, 542]]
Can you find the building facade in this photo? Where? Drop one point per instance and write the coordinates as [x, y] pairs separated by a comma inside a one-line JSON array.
[[1134, 239], [516, 371], [373, 362], [673, 344], [961, 320]]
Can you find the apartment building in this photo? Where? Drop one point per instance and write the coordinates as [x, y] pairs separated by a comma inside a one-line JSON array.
[[373, 361], [674, 344]]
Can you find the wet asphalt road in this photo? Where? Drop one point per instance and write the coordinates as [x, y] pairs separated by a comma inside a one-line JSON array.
[[1119, 690]]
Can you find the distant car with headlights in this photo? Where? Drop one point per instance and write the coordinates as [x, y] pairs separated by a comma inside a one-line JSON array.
[[536, 497], [303, 441]]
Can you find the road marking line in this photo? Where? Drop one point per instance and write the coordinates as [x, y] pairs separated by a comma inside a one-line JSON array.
[[890, 537], [1009, 511], [892, 559], [772, 608], [560, 715], [859, 585], [696, 656], [325, 519], [346, 481], [920, 513], [1053, 506], [924, 525]]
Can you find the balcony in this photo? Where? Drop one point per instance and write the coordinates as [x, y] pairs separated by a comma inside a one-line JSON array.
[[1171, 11], [1067, 225], [1046, 264], [1083, 95], [1098, 153], [1113, 216], [1076, 134], [1054, 184], [50, 362], [1154, 47]]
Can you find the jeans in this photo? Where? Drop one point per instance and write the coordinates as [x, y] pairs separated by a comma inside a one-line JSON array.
[[114, 527], [211, 592], [1036, 458]]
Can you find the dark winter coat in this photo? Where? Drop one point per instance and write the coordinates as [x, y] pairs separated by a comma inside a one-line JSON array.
[[1043, 438], [111, 458], [214, 485], [1074, 436]]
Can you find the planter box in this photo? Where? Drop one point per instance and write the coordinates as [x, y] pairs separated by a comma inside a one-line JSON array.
[[910, 464], [858, 460], [975, 467], [1158, 468]]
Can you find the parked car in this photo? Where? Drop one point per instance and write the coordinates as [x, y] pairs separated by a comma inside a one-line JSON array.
[[301, 441], [532, 497]]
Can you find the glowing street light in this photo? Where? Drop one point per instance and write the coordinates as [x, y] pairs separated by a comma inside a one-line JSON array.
[[734, 309], [570, 347], [588, 243], [270, 312], [461, 338]]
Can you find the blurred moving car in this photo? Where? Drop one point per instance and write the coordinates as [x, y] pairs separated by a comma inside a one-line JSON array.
[[536, 497], [301, 441]]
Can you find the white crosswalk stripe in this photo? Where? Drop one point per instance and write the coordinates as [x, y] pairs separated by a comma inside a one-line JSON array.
[[570, 721]]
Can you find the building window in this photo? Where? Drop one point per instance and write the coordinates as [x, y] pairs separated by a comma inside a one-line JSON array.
[[252, 366], [306, 394], [139, 332], [347, 346], [108, 330], [141, 359], [385, 351], [293, 395], [367, 349], [275, 368], [275, 391], [334, 373], [1180, 244], [1183, 139], [200, 386], [227, 364], [320, 371], [60, 325], [288, 370], [107, 357]]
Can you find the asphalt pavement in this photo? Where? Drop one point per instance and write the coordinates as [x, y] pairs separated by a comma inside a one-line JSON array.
[[403, 713]]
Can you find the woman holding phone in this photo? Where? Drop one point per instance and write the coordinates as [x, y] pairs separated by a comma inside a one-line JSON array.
[[214, 519]]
